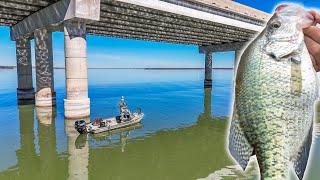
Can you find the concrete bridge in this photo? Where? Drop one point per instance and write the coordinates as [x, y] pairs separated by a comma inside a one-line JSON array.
[[212, 25]]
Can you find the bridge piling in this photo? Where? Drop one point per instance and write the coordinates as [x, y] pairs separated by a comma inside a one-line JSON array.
[[77, 103], [25, 90], [208, 70], [45, 95]]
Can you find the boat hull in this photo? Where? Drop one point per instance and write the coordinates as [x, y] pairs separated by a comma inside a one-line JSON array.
[[107, 124]]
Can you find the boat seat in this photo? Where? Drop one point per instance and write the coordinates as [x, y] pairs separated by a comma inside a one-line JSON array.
[[97, 121]]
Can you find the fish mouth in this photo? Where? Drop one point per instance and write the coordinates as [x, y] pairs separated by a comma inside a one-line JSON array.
[[291, 38]]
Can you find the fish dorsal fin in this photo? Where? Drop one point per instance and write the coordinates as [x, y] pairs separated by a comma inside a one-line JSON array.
[[239, 147], [300, 163]]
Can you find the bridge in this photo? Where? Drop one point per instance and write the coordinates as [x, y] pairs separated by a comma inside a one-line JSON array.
[[213, 26]]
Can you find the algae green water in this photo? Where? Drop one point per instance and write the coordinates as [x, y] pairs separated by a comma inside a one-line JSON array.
[[183, 135]]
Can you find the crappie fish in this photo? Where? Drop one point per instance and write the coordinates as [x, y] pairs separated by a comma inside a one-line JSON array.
[[276, 88]]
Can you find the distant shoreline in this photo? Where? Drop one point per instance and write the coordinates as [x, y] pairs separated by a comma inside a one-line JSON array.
[[182, 68], [7, 67], [13, 67]]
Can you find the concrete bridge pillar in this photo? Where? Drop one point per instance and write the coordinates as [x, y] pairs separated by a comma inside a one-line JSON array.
[[25, 89], [77, 103], [208, 69], [45, 95]]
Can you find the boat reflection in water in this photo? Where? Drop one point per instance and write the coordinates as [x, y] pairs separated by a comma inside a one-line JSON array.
[[106, 137]]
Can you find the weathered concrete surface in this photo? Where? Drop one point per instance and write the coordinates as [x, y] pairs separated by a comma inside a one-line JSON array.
[[208, 70], [83, 9], [25, 90], [77, 103], [56, 14], [13, 11], [45, 95], [223, 47]]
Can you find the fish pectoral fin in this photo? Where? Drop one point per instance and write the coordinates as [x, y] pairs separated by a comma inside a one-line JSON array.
[[239, 147], [300, 163]]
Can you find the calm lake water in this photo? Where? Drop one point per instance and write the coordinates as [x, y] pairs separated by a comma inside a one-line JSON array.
[[182, 135]]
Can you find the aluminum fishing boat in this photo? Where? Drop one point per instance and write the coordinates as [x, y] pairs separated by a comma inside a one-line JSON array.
[[102, 125]]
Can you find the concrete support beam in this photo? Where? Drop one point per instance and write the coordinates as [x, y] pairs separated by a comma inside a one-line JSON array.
[[222, 47], [25, 89], [77, 103], [45, 95], [56, 14], [208, 70]]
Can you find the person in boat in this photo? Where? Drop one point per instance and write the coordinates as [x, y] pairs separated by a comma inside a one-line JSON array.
[[122, 107]]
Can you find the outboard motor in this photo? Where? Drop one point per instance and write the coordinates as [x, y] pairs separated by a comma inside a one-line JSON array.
[[80, 126]]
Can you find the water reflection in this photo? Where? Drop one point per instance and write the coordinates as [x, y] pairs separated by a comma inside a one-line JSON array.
[[30, 164], [78, 156], [47, 141], [26, 155]]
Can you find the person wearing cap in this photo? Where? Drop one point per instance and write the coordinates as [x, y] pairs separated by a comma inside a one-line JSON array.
[[122, 107]]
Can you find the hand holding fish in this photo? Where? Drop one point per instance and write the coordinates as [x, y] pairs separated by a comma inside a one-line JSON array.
[[312, 40]]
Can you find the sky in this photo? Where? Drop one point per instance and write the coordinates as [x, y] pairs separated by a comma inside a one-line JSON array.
[[110, 52]]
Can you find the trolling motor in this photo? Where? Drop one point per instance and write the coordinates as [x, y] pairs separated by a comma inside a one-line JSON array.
[[80, 126]]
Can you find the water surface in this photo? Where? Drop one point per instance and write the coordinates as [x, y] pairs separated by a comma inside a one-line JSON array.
[[182, 135]]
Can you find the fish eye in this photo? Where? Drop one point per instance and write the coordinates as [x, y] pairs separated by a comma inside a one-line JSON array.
[[275, 25]]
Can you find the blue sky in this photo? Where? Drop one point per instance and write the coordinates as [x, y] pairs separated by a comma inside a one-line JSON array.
[[114, 52]]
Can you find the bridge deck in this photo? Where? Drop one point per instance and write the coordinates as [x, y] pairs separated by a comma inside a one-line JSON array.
[[125, 19]]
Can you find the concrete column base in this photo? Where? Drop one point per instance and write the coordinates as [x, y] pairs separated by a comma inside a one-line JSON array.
[[25, 94], [207, 83], [45, 99], [76, 109]]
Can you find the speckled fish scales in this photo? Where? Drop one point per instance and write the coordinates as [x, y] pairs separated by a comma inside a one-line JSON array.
[[276, 88]]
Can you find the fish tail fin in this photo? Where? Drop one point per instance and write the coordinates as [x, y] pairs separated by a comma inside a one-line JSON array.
[[239, 147]]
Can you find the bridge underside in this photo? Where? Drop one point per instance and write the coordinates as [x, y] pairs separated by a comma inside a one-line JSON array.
[[126, 20], [13, 11], [123, 20]]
